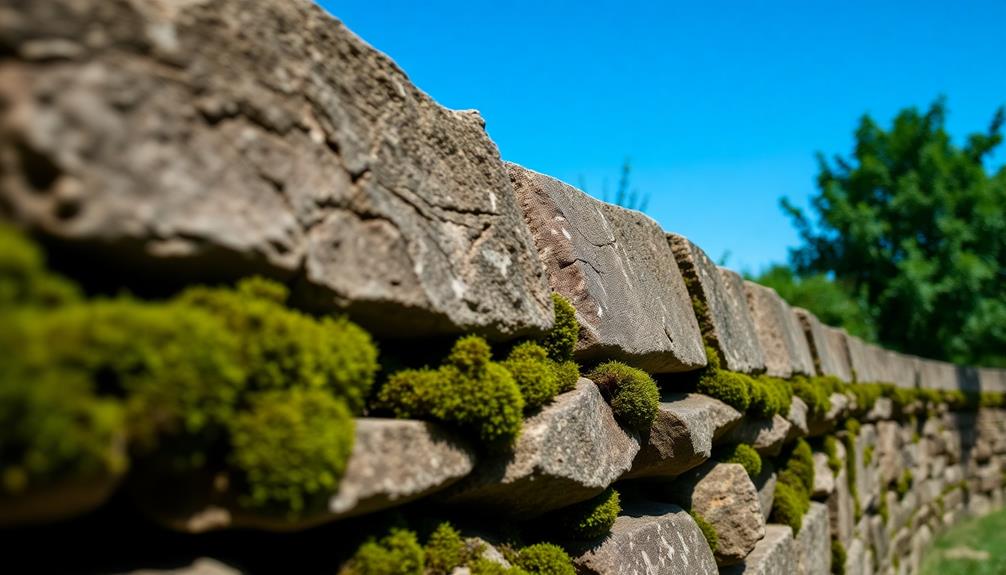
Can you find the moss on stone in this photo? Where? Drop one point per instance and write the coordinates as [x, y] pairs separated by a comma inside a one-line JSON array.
[[769, 396], [838, 557], [831, 450], [397, 553], [903, 484], [787, 506], [729, 387], [707, 529], [24, 278], [817, 397], [534, 374], [590, 519], [545, 559], [794, 485], [882, 509], [743, 454], [868, 455], [567, 373], [560, 341], [445, 550], [801, 462], [632, 393]]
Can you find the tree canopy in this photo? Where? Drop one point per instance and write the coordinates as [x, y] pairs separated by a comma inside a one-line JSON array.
[[915, 227]]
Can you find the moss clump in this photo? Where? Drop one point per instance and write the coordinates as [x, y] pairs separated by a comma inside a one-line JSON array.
[[590, 519], [632, 393], [831, 450], [24, 279], [787, 506], [560, 341], [904, 484], [801, 462], [397, 553], [868, 455], [794, 486], [445, 550], [882, 509], [567, 373], [837, 557], [992, 399], [743, 454], [292, 446], [534, 373], [769, 396], [866, 395], [813, 393], [731, 388], [707, 529], [545, 559], [469, 390]]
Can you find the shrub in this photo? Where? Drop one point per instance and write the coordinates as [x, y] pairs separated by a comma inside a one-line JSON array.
[[545, 559], [534, 373], [590, 519], [560, 341], [283, 348], [817, 397], [743, 454], [837, 557], [632, 393], [707, 529], [24, 279], [468, 390], [397, 553], [445, 550], [292, 447], [769, 396]]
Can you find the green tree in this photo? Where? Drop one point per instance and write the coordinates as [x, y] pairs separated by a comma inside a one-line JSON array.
[[915, 225], [829, 300]]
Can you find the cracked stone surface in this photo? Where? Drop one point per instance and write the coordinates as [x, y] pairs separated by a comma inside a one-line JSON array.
[[775, 554], [569, 452], [729, 326], [779, 333], [826, 344], [617, 269], [168, 137], [649, 538], [682, 434]]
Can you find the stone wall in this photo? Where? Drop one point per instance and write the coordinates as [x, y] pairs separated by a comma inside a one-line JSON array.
[[162, 143]]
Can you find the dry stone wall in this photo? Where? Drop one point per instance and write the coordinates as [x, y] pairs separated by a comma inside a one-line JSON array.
[[203, 141]]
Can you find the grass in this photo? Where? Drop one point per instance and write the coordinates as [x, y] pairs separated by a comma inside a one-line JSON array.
[[974, 547]]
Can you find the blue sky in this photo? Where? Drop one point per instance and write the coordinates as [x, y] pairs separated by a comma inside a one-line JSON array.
[[720, 105]]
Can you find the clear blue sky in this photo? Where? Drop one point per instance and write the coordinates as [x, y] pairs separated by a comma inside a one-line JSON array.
[[720, 105]]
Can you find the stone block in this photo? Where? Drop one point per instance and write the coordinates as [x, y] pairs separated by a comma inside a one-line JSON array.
[[779, 333], [827, 347], [813, 542], [774, 554], [766, 435]]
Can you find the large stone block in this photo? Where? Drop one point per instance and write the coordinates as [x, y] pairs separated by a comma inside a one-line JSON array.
[[652, 539], [813, 542], [725, 496], [153, 136], [682, 434], [569, 452], [766, 435], [617, 269], [827, 346], [727, 325], [937, 374], [840, 508], [775, 554], [781, 336]]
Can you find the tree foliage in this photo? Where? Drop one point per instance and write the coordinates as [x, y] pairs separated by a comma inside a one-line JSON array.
[[915, 226]]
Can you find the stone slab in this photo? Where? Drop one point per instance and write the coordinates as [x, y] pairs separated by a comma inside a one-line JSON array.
[[773, 555], [813, 542], [827, 349], [781, 337]]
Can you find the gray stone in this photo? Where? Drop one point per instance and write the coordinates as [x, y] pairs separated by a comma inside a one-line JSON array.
[[821, 424], [828, 351], [682, 434], [724, 495], [937, 374], [765, 484], [920, 546], [883, 408], [201, 566], [766, 435], [840, 508], [773, 555], [855, 558], [193, 150], [617, 269], [813, 542], [797, 416], [780, 335], [824, 478], [652, 539], [728, 326], [836, 339], [569, 452]]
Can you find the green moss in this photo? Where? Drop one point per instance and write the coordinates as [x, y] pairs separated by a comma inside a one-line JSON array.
[[534, 373], [469, 390], [831, 450], [817, 397], [838, 557], [24, 279], [866, 395], [483, 566], [787, 506], [707, 529], [292, 446], [794, 485], [567, 373], [397, 553], [560, 341], [868, 455], [743, 454], [801, 462], [545, 559], [991, 399], [632, 393], [590, 519], [769, 396], [444, 550], [283, 348], [729, 387], [882, 509], [903, 484]]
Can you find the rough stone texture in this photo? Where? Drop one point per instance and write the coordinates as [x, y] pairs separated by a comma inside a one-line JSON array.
[[813, 542], [821, 424], [827, 359], [617, 269], [652, 539], [824, 478], [773, 555], [729, 326], [767, 436], [797, 417], [836, 341], [765, 484], [201, 566], [171, 134], [840, 508], [937, 374], [567, 453], [781, 337], [682, 434], [855, 558], [724, 495]]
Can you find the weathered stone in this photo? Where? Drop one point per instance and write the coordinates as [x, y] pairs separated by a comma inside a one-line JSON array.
[[840, 508], [883, 408], [682, 434], [766, 435], [813, 542], [569, 452], [780, 335], [394, 461], [819, 425], [652, 539], [878, 538], [937, 374], [168, 139], [836, 339], [797, 416], [887, 452], [775, 554], [824, 478], [921, 540], [866, 476], [617, 269], [724, 495], [827, 350], [765, 484], [727, 325], [855, 558], [201, 566]]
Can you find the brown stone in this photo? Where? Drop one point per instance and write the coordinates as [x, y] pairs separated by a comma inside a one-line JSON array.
[[775, 554], [779, 333]]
